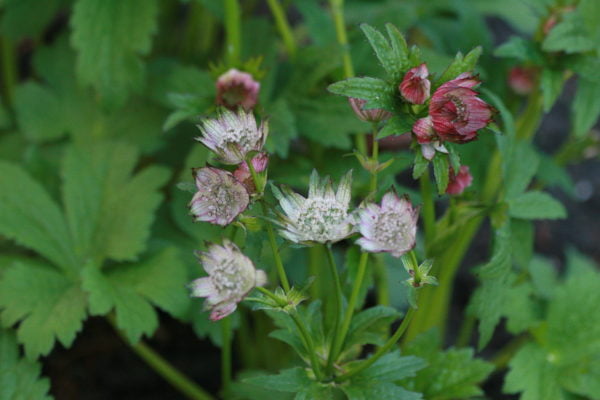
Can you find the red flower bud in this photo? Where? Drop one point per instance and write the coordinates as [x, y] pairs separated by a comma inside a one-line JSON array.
[[236, 88], [415, 86], [522, 80], [372, 115], [459, 182]]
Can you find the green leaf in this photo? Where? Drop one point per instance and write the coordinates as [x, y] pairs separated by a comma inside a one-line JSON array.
[[131, 289], [500, 264], [450, 374], [283, 125], [378, 93], [522, 237], [48, 305], [110, 37], [544, 277], [586, 106], [371, 325], [459, 65], [289, 380], [520, 49], [19, 378], [396, 126], [420, 165], [552, 82], [570, 35], [39, 113], [441, 171], [107, 222], [392, 56], [25, 18], [36, 223], [378, 390], [521, 169], [536, 205]]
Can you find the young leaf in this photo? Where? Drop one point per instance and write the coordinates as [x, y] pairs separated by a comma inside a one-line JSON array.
[[112, 62], [586, 106], [396, 126], [459, 65], [441, 170], [48, 305], [392, 57], [36, 223], [536, 205]]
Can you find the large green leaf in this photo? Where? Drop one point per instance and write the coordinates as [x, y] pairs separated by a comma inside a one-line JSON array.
[[536, 205], [48, 306], [110, 37]]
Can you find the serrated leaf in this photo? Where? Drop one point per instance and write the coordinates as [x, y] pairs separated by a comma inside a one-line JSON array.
[[450, 374], [379, 391], [396, 126], [501, 262], [378, 93], [586, 106], [36, 223], [393, 56], [289, 380], [110, 37], [441, 172], [552, 82], [39, 113], [570, 36], [420, 165], [459, 65], [19, 378], [48, 305], [536, 205]]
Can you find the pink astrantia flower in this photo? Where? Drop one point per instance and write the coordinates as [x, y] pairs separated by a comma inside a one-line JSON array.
[[220, 197], [233, 135], [427, 138], [372, 115], [236, 88], [390, 227], [231, 276], [415, 87], [243, 175], [522, 80], [456, 111], [459, 182]]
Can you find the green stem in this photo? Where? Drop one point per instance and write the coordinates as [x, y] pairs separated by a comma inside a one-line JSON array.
[[337, 11], [226, 352], [165, 369], [505, 354], [314, 259], [308, 343], [233, 17], [381, 282], [375, 160], [466, 331], [428, 208], [283, 26], [338, 306], [382, 350], [339, 339], [9, 70]]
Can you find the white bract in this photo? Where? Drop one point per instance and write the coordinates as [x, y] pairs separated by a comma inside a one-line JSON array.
[[231, 276], [391, 227], [323, 217], [233, 135]]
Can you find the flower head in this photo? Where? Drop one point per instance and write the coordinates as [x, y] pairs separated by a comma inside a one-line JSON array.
[[427, 138], [415, 86], [231, 275], [322, 217], [220, 197], [522, 80], [372, 115], [390, 227], [233, 135], [459, 182], [243, 174], [456, 111], [236, 88]]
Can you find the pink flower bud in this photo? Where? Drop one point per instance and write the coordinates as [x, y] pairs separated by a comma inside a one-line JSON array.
[[235, 89], [459, 182], [522, 80], [415, 86], [243, 175], [456, 111], [423, 130], [373, 115]]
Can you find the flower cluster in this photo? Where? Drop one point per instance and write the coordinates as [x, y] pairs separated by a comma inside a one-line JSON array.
[[231, 276]]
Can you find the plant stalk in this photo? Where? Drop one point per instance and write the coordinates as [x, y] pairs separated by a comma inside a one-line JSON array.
[[283, 26], [233, 21], [338, 307], [226, 352]]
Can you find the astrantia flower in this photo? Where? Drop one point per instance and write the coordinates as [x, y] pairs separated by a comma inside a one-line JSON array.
[[390, 227], [322, 217], [456, 111], [243, 174], [427, 138], [415, 86], [236, 88], [372, 115], [220, 197], [231, 275], [233, 135], [459, 182]]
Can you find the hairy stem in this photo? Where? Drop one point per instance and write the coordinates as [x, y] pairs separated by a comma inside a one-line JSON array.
[[283, 26]]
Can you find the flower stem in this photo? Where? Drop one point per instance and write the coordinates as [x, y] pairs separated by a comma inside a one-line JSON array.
[[165, 369], [339, 339], [382, 350], [283, 26], [338, 307], [278, 263], [226, 352], [233, 16], [381, 282], [308, 344], [428, 208], [375, 160], [337, 11]]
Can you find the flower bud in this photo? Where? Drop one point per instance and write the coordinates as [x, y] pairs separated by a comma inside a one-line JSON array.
[[457, 183], [415, 87], [243, 174], [373, 115], [235, 89], [522, 80]]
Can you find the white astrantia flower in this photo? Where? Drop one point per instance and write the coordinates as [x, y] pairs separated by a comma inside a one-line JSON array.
[[220, 197], [233, 135], [390, 227], [323, 217], [231, 276]]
